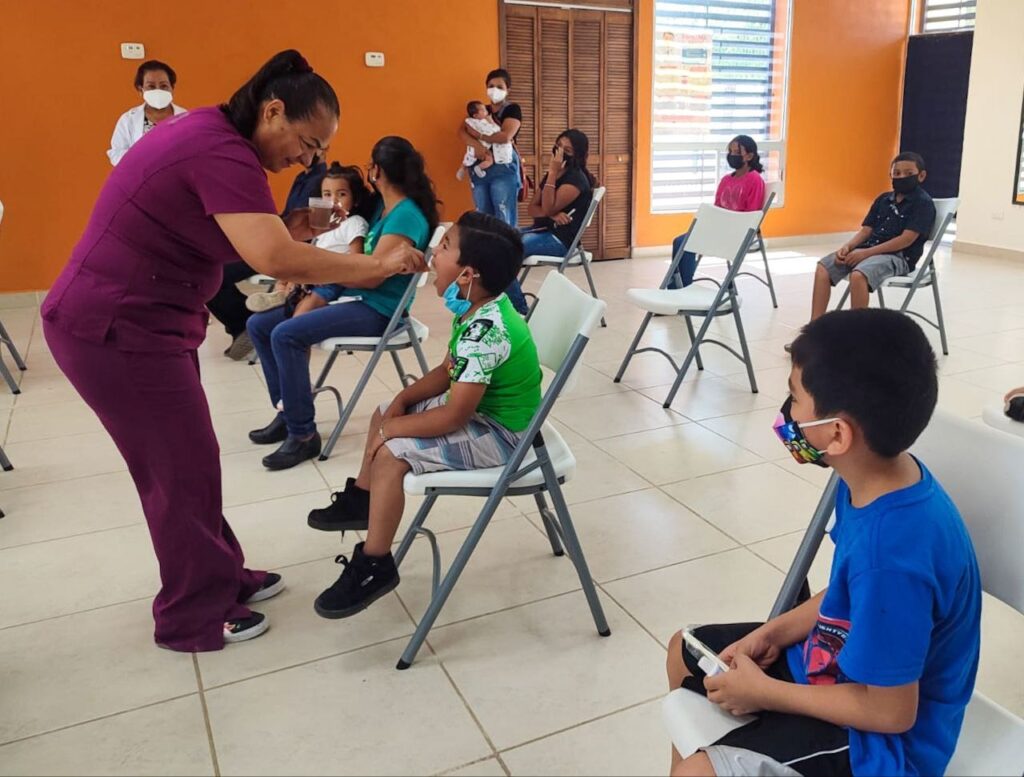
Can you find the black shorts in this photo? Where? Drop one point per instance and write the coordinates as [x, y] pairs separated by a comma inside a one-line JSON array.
[[805, 745]]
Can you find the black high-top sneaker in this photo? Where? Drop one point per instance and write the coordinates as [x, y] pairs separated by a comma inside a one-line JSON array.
[[364, 580], [349, 510]]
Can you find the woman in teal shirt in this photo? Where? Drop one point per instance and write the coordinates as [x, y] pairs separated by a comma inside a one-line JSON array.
[[406, 217]]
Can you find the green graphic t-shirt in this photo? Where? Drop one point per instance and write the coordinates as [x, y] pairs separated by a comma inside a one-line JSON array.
[[494, 347]]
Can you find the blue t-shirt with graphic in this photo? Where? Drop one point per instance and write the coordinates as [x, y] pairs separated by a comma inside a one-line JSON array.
[[903, 605]]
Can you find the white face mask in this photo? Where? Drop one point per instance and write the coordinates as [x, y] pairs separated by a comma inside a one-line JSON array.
[[157, 98], [497, 95]]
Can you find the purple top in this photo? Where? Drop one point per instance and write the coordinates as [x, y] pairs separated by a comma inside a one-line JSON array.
[[152, 254]]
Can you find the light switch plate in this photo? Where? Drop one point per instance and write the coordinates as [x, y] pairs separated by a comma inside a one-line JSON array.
[[133, 51], [374, 59]]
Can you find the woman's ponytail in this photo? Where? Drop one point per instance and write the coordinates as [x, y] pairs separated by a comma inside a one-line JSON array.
[[404, 167], [286, 76], [749, 145]]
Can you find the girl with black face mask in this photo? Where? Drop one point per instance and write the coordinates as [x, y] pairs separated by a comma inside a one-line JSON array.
[[740, 190], [559, 203]]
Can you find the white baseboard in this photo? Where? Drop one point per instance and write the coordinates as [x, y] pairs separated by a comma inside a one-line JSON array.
[[997, 252], [640, 252]]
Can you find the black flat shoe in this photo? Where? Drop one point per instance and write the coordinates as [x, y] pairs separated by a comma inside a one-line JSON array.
[[275, 431], [293, 451]]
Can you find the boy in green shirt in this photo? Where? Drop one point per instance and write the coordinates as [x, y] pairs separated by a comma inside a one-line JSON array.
[[467, 413]]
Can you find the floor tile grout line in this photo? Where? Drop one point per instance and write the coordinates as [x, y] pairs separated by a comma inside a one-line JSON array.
[[581, 724], [632, 617], [96, 719], [469, 709], [206, 715]]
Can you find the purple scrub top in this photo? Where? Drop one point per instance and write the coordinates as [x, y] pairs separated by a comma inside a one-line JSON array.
[[152, 254]]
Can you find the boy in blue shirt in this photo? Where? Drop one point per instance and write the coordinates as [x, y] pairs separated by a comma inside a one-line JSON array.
[[872, 675]]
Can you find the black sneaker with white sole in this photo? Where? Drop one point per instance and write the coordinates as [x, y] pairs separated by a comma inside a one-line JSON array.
[[349, 510], [242, 629], [364, 580], [273, 584]]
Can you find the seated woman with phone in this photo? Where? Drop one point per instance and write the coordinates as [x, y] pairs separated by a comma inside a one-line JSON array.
[[559, 204]]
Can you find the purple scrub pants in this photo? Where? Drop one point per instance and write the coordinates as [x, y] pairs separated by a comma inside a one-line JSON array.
[[154, 408]]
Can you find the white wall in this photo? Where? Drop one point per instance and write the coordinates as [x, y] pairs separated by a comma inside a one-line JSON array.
[[987, 217]]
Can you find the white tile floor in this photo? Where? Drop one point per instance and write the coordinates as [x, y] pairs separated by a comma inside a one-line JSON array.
[[688, 514]]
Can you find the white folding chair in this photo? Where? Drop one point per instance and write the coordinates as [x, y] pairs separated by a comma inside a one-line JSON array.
[[979, 468], [5, 339], [561, 324], [714, 232], [576, 255], [924, 274], [401, 333], [770, 192]]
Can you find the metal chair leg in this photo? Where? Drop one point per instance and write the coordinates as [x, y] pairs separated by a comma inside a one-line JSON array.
[[747, 360], [7, 376], [632, 347], [549, 525], [590, 281], [881, 297], [842, 300], [767, 269], [6, 338], [686, 362], [938, 314], [440, 597], [693, 337], [4, 461], [573, 548], [350, 406], [414, 527]]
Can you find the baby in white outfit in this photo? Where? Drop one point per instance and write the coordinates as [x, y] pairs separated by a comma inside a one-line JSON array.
[[480, 119]]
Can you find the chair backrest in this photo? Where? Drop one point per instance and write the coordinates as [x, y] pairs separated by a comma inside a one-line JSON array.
[[720, 232], [435, 241], [588, 217], [980, 469], [771, 191], [563, 312], [945, 212]]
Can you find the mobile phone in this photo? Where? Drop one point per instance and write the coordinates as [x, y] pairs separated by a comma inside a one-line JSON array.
[[708, 660]]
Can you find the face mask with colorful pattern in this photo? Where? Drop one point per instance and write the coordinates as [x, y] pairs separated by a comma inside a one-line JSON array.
[[792, 436]]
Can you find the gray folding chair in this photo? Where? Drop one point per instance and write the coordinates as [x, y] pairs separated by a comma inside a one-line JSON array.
[[576, 255], [561, 324], [924, 274], [401, 333], [714, 232], [979, 468], [6, 340]]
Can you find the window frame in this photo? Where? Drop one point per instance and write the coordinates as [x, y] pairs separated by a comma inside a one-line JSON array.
[[716, 147], [961, 7]]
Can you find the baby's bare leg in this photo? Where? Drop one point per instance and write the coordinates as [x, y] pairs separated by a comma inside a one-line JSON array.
[[310, 302]]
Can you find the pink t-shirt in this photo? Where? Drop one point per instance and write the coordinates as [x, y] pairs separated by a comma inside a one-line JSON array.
[[152, 254], [745, 193]]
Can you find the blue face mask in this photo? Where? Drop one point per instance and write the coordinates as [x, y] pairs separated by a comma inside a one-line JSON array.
[[454, 302]]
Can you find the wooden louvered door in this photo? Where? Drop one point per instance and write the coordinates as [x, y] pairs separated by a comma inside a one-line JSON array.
[[574, 68]]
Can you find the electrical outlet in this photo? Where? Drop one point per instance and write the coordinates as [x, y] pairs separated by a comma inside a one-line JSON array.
[[133, 51], [374, 59]]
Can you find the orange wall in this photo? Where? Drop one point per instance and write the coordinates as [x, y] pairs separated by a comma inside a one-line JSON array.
[[60, 108], [846, 65]]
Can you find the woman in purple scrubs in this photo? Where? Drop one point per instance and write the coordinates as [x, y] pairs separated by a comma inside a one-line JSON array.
[[126, 316]]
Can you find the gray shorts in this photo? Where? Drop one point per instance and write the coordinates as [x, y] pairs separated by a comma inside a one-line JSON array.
[[875, 268], [480, 444]]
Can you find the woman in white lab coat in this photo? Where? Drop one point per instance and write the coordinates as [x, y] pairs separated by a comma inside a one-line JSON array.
[[155, 81]]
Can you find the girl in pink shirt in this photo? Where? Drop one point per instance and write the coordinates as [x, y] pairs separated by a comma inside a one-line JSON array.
[[740, 190]]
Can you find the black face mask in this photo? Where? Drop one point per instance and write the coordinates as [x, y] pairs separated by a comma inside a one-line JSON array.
[[904, 185], [569, 159], [735, 161]]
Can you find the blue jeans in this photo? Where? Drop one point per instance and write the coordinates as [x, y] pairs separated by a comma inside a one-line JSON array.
[[542, 243], [687, 265], [496, 193], [283, 346]]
